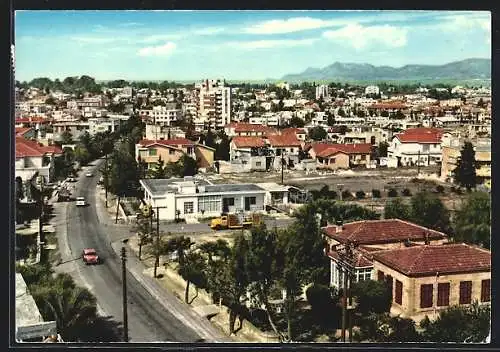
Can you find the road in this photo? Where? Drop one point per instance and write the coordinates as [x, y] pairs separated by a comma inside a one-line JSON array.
[[148, 320]]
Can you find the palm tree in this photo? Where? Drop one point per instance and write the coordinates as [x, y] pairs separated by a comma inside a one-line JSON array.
[[73, 308]]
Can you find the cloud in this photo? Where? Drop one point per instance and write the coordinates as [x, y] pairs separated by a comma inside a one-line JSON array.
[[265, 44], [130, 24], [360, 37], [209, 31], [460, 22], [290, 25], [95, 40], [162, 37], [160, 50]]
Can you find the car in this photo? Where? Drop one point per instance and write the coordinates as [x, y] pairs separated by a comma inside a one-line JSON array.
[[71, 179], [89, 256], [80, 202], [89, 174]]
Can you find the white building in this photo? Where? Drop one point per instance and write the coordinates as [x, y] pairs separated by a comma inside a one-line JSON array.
[[103, 124], [372, 90], [322, 91], [266, 119], [163, 115], [190, 197], [415, 146], [213, 102], [156, 132]]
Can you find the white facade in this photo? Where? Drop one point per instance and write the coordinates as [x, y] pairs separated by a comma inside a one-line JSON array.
[[103, 124], [408, 153], [180, 198], [266, 119], [322, 91], [155, 132], [213, 103], [372, 90], [165, 116]]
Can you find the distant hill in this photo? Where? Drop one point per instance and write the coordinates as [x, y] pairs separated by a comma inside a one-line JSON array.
[[459, 70]]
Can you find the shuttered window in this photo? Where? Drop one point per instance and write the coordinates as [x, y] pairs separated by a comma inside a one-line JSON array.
[[398, 298], [485, 290], [443, 294], [426, 293], [465, 292], [380, 276]]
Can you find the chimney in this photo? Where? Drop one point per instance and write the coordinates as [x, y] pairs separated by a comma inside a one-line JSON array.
[[339, 226], [426, 236]]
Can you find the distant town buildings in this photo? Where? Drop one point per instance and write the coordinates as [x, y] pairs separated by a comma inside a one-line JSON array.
[[213, 103], [322, 91]]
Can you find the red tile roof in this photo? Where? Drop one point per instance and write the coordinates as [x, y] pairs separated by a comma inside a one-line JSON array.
[[327, 149], [249, 127], [284, 140], [26, 148], [248, 141], [420, 135], [360, 259], [431, 259], [293, 130], [394, 105], [33, 119], [381, 231], [167, 142]]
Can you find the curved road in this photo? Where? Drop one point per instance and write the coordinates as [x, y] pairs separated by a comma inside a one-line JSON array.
[[148, 320]]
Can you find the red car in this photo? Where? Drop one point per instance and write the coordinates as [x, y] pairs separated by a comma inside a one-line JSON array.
[[90, 256]]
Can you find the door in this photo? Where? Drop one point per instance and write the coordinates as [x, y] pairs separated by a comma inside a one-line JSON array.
[[247, 203], [225, 205]]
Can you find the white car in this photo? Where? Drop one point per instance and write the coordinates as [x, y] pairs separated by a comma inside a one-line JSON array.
[[80, 202], [88, 174]]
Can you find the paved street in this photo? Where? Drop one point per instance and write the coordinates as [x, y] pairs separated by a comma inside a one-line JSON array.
[[149, 321]]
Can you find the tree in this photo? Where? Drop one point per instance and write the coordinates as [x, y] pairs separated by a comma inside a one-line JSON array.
[[330, 118], [189, 165], [317, 133], [384, 328], [472, 222], [192, 270], [341, 112], [160, 170], [371, 297], [82, 155], [66, 137], [459, 324], [296, 122], [222, 147], [397, 209], [382, 149], [73, 308], [465, 172], [428, 210]]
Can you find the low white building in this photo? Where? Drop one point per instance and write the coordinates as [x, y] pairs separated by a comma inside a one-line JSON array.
[[103, 124], [372, 90], [415, 146], [190, 197]]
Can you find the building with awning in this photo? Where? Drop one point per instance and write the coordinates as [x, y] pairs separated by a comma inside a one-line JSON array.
[[30, 326]]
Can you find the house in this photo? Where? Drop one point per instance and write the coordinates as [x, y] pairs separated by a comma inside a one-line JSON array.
[[33, 158], [428, 279], [25, 132], [341, 156], [171, 150], [300, 133], [74, 127], [415, 145], [189, 197], [451, 152], [155, 132], [30, 326], [247, 129], [370, 236], [103, 124], [287, 145]]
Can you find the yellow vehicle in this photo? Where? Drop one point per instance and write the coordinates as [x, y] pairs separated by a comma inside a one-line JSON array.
[[234, 221]]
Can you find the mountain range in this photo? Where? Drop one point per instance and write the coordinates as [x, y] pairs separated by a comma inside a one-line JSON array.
[[457, 70]]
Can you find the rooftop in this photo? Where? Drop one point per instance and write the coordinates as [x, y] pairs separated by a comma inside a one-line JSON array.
[[381, 231], [27, 312], [431, 259], [158, 187]]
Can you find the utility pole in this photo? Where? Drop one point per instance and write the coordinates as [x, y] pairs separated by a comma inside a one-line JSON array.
[[344, 302], [106, 179], [117, 207], [157, 252], [418, 163], [282, 165], [124, 297]]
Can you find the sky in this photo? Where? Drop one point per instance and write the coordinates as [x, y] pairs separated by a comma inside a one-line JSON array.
[[237, 45]]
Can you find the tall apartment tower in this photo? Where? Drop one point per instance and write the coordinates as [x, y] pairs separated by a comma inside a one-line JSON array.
[[322, 91], [213, 103]]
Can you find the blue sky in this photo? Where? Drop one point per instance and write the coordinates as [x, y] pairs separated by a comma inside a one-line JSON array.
[[237, 45]]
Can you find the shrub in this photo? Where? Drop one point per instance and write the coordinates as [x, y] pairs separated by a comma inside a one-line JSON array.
[[376, 193], [360, 194], [406, 192], [392, 193], [439, 189], [346, 194], [332, 195]]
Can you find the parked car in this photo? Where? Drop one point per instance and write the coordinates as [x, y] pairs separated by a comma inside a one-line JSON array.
[[71, 179], [80, 202], [89, 174], [89, 256]]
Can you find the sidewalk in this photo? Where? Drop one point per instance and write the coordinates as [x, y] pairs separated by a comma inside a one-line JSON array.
[[202, 326]]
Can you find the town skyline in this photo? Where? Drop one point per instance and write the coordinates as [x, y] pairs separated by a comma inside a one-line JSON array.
[[148, 45]]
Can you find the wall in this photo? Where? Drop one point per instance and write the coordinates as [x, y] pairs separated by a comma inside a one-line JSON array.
[[204, 156], [410, 306]]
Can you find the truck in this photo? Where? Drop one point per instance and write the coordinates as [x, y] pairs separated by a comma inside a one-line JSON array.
[[234, 221]]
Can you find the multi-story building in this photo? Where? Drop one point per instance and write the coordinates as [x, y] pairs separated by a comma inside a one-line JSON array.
[[415, 146], [162, 115], [156, 132], [322, 91], [33, 159], [372, 90], [213, 103], [103, 124]]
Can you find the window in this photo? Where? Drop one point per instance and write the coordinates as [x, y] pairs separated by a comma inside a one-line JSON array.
[[152, 152], [398, 298], [229, 201], [390, 282], [190, 150], [485, 290], [426, 293], [443, 294], [258, 163], [380, 276], [209, 204], [171, 151], [332, 161], [465, 292], [252, 200], [363, 274], [188, 208]]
